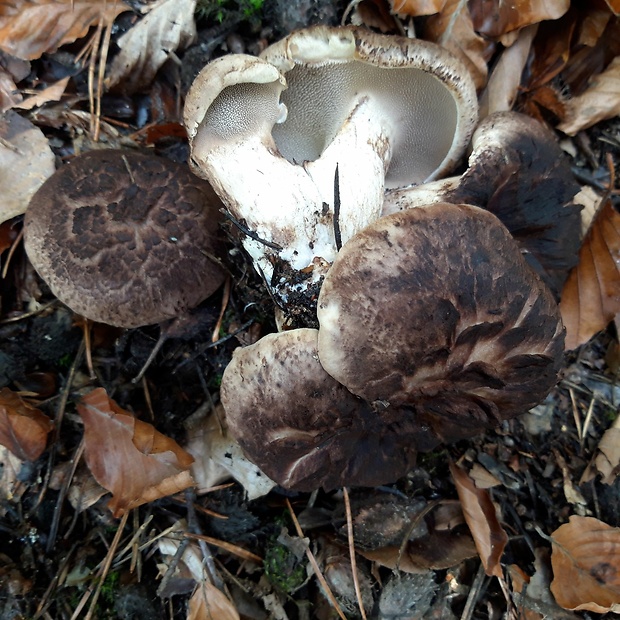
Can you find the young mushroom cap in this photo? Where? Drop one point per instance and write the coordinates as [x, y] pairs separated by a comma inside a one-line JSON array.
[[303, 428], [126, 238], [301, 143], [435, 308]]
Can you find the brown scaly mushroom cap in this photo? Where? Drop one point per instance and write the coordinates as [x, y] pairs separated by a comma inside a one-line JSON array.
[[303, 428], [435, 309], [125, 238]]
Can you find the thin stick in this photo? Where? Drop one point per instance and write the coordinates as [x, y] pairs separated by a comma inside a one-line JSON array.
[[12, 249], [101, 577], [337, 233], [225, 298], [103, 56], [246, 231], [356, 583], [222, 544], [315, 566]]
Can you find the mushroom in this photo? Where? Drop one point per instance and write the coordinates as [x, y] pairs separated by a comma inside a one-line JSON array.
[[432, 328], [517, 171], [436, 305], [303, 428], [125, 238], [301, 143]]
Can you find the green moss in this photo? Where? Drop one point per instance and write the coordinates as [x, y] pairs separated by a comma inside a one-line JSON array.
[[220, 10], [282, 567], [110, 587]]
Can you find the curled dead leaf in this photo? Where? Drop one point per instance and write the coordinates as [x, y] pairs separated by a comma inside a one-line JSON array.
[[415, 8], [28, 28], [169, 26], [481, 518], [130, 458], [23, 429], [454, 30], [606, 460], [494, 18], [591, 295], [601, 100], [26, 161], [586, 565]]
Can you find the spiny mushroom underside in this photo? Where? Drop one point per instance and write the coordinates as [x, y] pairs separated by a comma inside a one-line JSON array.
[[135, 235], [432, 328], [300, 143]]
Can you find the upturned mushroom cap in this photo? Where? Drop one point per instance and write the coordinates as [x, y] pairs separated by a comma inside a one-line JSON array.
[[418, 90], [518, 171], [272, 134], [435, 309], [125, 238], [303, 428]]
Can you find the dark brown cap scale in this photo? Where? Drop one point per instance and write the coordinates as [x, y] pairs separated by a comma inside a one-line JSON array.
[[126, 238]]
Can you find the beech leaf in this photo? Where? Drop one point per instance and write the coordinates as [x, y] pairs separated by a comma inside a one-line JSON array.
[[169, 26], [454, 30], [23, 429], [591, 294], [481, 518], [600, 101], [415, 8], [130, 458], [26, 160], [493, 18], [28, 28], [586, 565], [209, 602]]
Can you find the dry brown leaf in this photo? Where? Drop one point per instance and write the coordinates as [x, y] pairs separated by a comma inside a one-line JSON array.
[[129, 457], [600, 101], [614, 5], [415, 8], [591, 295], [9, 94], [481, 517], [209, 603], [51, 93], [23, 429], [606, 461], [218, 456], [169, 26], [28, 28], [494, 18], [26, 160], [454, 30], [505, 80], [586, 565], [440, 551]]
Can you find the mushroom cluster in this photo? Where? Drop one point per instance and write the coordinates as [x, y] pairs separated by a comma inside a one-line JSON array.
[[415, 346], [431, 324], [126, 238], [301, 143]]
